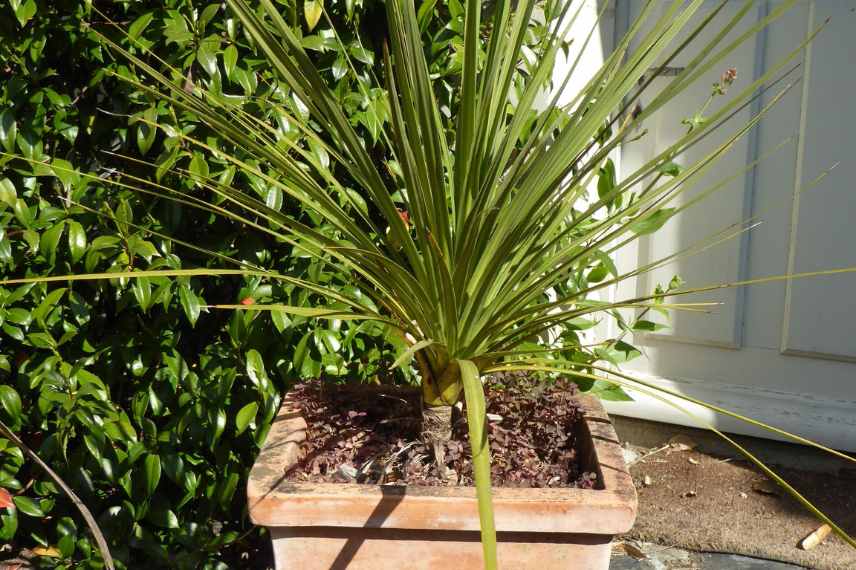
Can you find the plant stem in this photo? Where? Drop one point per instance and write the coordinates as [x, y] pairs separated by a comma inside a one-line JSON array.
[[436, 424]]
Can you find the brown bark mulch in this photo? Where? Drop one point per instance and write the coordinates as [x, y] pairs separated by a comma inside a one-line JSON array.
[[372, 435]]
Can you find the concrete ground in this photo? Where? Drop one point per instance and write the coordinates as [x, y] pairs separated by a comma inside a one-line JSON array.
[[659, 557], [641, 435]]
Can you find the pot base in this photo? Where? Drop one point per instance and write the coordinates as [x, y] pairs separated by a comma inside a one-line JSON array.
[[373, 549]]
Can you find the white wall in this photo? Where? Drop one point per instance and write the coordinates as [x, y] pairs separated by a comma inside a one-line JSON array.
[[782, 353]]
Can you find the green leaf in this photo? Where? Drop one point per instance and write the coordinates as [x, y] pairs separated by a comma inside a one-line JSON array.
[[13, 332], [66, 545], [362, 54], [230, 58], [620, 352], [76, 240], [648, 326], [147, 131], [173, 466], [8, 526], [142, 289], [30, 144], [651, 222], [256, 369], [218, 420], [22, 213], [63, 170], [24, 10], [227, 489], [477, 424], [42, 340], [301, 351], [50, 240], [8, 195], [8, 130], [28, 506], [189, 302], [176, 30], [48, 304], [609, 391], [155, 402], [19, 316], [340, 68], [669, 168], [314, 42], [246, 417], [208, 14], [6, 248], [138, 26], [206, 54], [165, 163], [425, 14], [280, 320], [151, 473], [606, 180], [160, 515], [10, 402], [312, 10], [198, 166], [597, 274], [329, 340], [408, 354]]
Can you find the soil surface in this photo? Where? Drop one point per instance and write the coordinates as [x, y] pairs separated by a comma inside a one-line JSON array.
[[371, 435]]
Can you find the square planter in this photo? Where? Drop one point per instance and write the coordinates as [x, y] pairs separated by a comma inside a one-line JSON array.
[[332, 525]]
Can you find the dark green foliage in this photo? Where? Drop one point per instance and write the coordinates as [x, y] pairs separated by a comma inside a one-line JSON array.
[[150, 405]]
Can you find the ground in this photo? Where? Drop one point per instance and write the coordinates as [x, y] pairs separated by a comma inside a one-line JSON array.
[[659, 557], [697, 495]]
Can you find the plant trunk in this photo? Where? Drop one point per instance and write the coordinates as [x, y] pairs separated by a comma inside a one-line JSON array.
[[436, 431], [436, 424], [440, 391]]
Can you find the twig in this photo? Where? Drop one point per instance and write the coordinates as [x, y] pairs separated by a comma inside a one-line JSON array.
[[649, 454], [90, 520]]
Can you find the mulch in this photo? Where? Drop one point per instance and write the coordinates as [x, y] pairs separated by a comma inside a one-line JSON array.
[[372, 435]]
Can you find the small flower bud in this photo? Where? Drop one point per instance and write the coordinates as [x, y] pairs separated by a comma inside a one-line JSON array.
[[728, 76]]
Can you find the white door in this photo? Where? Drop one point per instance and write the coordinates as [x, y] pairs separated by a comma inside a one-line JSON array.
[[784, 353]]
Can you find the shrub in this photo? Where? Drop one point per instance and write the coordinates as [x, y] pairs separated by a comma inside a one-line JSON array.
[[149, 405]]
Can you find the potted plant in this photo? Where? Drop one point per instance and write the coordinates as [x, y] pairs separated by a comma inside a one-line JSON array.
[[358, 525], [470, 234]]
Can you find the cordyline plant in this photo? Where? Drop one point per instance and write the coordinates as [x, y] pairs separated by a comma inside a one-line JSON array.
[[497, 209]]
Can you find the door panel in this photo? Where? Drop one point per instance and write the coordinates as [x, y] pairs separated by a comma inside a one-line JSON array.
[[820, 313], [780, 352], [723, 208]]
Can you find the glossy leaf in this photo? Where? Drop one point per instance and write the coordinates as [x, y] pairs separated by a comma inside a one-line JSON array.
[[28, 506], [76, 240], [312, 10], [151, 473], [10, 402], [246, 417]]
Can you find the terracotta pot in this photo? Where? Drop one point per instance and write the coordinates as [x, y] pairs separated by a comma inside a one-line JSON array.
[[353, 526]]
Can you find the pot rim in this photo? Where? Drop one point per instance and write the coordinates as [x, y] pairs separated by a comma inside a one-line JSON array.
[[276, 502]]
